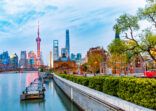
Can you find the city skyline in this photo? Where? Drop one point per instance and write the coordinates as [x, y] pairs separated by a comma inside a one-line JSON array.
[[89, 24]]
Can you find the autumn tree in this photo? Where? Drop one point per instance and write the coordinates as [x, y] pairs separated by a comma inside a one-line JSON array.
[[118, 58], [94, 60], [84, 67]]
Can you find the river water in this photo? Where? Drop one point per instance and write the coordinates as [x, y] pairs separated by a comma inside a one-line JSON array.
[[12, 85]]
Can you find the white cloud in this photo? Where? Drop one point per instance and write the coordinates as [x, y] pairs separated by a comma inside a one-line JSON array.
[[82, 17]]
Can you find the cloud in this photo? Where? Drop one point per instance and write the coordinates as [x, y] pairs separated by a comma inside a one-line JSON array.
[[90, 22]]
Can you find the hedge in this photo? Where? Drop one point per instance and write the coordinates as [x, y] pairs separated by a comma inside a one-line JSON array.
[[141, 91]]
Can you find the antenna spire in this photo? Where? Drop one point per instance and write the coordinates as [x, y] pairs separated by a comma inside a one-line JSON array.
[[38, 30]]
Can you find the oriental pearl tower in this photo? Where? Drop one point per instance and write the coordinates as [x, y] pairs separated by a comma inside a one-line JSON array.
[[38, 41]]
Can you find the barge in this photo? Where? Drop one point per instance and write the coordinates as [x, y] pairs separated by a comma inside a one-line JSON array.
[[32, 95], [34, 91]]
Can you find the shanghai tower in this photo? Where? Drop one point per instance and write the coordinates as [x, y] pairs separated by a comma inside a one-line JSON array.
[[67, 43]]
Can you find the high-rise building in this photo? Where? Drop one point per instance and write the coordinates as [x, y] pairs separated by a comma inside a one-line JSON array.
[[23, 55], [64, 54], [5, 60], [14, 61], [67, 42], [55, 50], [8, 62], [51, 60], [73, 57], [23, 60], [79, 56], [32, 60]]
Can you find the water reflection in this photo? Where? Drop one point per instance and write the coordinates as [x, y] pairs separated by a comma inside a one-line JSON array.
[[65, 100], [31, 77], [36, 105], [12, 85]]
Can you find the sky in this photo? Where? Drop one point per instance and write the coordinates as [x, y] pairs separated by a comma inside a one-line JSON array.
[[90, 23]]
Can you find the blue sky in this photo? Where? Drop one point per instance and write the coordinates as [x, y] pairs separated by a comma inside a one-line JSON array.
[[90, 23]]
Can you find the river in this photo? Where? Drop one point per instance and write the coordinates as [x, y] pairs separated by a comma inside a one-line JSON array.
[[12, 85]]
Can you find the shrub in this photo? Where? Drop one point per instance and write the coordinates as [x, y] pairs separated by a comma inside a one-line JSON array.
[[111, 85], [96, 83], [141, 91]]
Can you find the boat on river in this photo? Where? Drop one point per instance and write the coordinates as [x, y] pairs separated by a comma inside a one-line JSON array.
[[34, 91], [45, 77]]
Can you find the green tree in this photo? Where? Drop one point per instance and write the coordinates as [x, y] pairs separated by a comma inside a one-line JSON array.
[[117, 47], [148, 13], [149, 44], [119, 57], [128, 25]]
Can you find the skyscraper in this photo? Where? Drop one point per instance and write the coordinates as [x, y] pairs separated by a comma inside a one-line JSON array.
[[51, 60], [14, 61], [73, 57], [64, 53], [23, 60], [79, 56], [55, 50], [5, 60], [23, 55], [32, 61], [67, 43]]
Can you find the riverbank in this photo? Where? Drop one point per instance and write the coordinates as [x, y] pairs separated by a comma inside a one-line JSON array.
[[127, 88], [17, 72]]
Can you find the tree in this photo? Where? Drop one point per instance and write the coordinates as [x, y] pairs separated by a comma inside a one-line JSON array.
[[148, 13], [128, 25], [118, 58], [84, 67], [117, 47], [149, 44], [94, 61]]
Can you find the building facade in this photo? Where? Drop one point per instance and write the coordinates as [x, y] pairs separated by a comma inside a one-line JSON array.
[[63, 64], [5, 61], [8, 62], [55, 50], [67, 67], [67, 43], [23, 60], [14, 61], [73, 57], [32, 60]]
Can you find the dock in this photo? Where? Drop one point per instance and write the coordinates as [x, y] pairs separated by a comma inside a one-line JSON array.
[[45, 77], [34, 91]]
